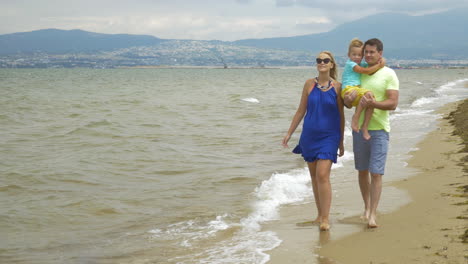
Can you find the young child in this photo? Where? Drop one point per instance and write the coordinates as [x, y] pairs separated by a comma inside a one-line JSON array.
[[352, 82]]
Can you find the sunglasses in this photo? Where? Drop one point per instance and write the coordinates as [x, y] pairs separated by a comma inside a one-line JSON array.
[[326, 61]]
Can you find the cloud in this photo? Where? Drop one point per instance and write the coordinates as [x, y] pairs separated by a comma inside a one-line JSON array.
[[404, 6], [207, 19], [285, 3], [215, 27], [320, 24], [190, 26]]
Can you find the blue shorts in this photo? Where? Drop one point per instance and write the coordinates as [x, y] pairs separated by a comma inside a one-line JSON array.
[[371, 154]]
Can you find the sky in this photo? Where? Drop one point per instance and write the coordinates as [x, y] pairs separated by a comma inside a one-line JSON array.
[[225, 20]]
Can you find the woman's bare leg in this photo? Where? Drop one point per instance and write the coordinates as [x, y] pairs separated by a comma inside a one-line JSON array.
[[324, 191], [312, 170]]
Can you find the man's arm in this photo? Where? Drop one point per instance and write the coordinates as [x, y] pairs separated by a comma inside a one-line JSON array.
[[390, 103]]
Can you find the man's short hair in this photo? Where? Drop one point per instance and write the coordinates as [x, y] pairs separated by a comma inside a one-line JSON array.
[[374, 42]]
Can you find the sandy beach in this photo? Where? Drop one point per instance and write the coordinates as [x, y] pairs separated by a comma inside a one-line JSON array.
[[427, 229], [430, 228]]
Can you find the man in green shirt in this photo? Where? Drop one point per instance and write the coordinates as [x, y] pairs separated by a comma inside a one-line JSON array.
[[370, 155]]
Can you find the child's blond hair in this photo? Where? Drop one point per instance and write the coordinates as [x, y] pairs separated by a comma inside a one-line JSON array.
[[355, 43]]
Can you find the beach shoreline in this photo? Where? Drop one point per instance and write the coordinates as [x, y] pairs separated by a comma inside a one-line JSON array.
[[425, 223], [430, 228]]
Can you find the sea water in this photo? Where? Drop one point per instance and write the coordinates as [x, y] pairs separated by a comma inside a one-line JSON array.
[[170, 165]]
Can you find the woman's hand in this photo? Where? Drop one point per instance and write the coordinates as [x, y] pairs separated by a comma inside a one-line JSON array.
[[285, 141], [341, 148]]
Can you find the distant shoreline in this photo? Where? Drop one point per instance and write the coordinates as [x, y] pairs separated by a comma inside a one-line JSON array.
[[198, 67], [435, 67], [278, 67]]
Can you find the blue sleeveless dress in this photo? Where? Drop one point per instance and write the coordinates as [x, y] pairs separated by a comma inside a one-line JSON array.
[[321, 131]]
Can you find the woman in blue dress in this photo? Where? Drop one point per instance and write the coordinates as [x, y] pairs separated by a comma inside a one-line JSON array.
[[321, 107]]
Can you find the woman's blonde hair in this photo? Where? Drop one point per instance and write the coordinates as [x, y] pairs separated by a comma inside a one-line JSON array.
[[355, 43], [333, 70]]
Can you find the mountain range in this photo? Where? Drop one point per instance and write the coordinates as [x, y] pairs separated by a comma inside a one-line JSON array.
[[434, 36], [56, 41]]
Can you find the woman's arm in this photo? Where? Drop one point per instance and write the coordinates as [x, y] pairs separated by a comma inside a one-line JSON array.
[[301, 110], [371, 69], [342, 117]]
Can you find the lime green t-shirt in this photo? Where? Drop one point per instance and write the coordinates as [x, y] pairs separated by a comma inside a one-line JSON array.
[[381, 81]]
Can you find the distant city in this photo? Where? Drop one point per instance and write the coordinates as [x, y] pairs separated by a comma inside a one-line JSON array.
[[193, 54], [436, 45]]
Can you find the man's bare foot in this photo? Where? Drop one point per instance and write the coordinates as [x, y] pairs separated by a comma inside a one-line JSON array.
[[355, 123], [372, 223], [365, 134]]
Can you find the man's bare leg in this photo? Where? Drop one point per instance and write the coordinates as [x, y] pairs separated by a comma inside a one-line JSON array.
[[375, 192], [364, 186]]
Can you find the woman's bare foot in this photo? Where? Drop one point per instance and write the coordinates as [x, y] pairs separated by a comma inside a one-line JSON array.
[[324, 226], [365, 215], [372, 223], [355, 123]]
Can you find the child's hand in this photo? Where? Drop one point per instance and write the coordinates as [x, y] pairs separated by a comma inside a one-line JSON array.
[[382, 62]]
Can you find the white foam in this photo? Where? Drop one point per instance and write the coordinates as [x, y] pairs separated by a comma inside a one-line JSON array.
[[445, 93], [280, 189], [251, 100], [218, 224], [453, 90], [419, 82], [190, 231], [243, 248], [155, 231], [348, 132], [348, 155], [410, 113], [423, 101]]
